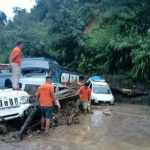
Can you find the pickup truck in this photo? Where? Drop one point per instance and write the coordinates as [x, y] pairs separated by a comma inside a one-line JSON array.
[[41, 67]]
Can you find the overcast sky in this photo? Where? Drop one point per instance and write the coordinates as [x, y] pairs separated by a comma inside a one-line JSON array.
[[7, 6]]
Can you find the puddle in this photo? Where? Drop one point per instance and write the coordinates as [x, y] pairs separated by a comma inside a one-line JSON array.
[[97, 118], [65, 148]]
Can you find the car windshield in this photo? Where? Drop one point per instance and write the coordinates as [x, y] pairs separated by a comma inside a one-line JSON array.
[[34, 72], [98, 89], [4, 71]]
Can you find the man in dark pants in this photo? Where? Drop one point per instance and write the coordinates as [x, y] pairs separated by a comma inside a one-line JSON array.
[[46, 98]]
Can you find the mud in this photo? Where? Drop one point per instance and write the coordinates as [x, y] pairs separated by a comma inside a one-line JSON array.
[[119, 127]]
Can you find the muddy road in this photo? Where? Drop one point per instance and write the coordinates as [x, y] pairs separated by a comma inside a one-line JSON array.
[[119, 127]]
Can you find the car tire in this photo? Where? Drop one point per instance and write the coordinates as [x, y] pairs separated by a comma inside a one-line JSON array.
[[112, 103]]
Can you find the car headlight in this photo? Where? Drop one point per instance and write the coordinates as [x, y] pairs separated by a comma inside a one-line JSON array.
[[23, 99]]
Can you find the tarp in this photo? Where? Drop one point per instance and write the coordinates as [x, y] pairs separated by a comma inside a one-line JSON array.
[[97, 78], [35, 64]]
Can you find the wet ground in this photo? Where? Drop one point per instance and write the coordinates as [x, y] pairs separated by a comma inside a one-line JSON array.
[[119, 127]]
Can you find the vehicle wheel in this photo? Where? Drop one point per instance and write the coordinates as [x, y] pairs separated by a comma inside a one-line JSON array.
[[112, 103], [92, 102]]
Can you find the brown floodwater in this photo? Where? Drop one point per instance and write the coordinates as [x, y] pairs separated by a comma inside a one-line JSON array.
[[118, 127]]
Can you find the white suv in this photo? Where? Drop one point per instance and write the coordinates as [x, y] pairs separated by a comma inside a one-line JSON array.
[[100, 91], [13, 104]]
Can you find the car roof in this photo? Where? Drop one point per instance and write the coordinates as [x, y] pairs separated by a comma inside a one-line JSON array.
[[55, 84], [100, 83], [97, 80]]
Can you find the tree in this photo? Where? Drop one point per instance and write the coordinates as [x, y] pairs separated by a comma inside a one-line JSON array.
[[3, 18], [117, 41]]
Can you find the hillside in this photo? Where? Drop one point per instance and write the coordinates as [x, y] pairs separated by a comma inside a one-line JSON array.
[[91, 36]]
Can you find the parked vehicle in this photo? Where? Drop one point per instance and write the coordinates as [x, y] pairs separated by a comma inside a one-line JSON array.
[[17, 104], [5, 76], [13, 104], [32, 84], [100, 90]]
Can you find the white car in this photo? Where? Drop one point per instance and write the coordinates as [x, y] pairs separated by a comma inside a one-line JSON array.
[[30, 84], [13, 104], [100, 90]]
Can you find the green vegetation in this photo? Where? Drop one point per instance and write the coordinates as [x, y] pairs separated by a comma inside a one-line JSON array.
[[91, 36]]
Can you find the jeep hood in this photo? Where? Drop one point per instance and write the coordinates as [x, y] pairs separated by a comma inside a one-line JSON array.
[[9, 93]]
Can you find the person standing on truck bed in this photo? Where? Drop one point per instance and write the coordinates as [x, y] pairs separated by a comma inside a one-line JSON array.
[[85, 94], [46, 97], [15, 62]]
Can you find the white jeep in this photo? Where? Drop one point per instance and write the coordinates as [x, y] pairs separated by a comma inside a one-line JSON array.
[[13, 104]]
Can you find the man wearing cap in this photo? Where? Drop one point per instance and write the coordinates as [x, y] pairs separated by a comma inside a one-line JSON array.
[[46, 98], [85, 94], [15, 62]]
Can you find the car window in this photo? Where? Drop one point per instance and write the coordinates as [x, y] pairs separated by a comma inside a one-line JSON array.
[[101, 89], [32, 72], [52, 73], [5, 71], [62, 88]]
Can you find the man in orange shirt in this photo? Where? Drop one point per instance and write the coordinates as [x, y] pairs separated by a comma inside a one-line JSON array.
[[15, 62], [46, 98], [85, 94]]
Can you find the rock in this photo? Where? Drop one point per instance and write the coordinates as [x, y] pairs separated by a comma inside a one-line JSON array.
[[106, 112]]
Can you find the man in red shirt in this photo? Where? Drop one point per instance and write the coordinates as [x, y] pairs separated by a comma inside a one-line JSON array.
[[85, 94], [46, 98], [15, 62]]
